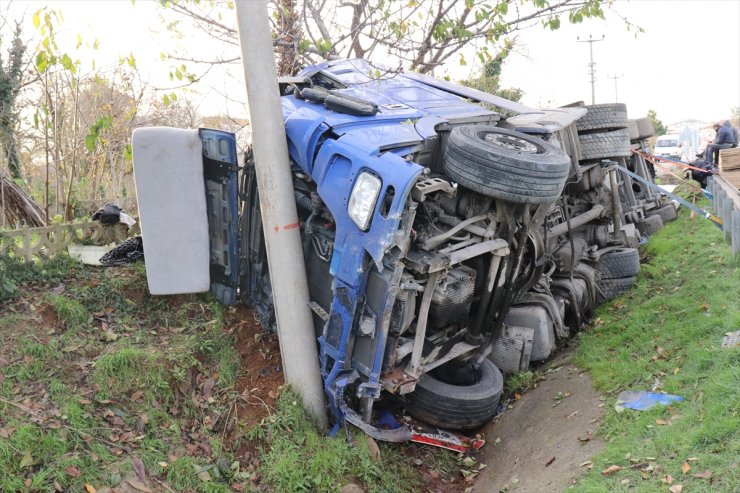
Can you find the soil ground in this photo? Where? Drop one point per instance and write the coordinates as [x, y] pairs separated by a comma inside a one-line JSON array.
[[542, 443]]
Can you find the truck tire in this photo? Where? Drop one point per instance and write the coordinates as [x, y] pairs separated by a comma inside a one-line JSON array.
[[605, 145], [457, 407], [505, 164], [667, 212], [611, 288], [623, 262], [645, 128], [609, 116], [633, 130], [651, 225]]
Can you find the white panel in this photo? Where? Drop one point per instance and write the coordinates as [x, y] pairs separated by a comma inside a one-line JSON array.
[[168, 169]]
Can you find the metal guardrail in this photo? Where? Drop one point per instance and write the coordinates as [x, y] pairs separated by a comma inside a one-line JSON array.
[[726, 204], [49, 241]]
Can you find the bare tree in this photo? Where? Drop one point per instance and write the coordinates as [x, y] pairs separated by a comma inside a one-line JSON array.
[[421, 35]]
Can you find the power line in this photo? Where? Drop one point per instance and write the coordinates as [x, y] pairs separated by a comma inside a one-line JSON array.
[[591, 64]]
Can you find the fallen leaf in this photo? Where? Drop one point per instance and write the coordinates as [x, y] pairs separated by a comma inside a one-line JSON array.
[[703, 475], [660, 422], [550, 462], [610, 470], [208, 387], [676, 488], [138, 466], [667, 479], [136, 396], [588, 462], [468, 462], [90, 488], [517, 396], [676, 370], [138, 485], [58, 486], [692, 459], [115, 479], [73, 471], [685, 467]]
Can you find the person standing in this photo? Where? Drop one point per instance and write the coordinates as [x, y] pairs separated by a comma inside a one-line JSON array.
[[724, 140]]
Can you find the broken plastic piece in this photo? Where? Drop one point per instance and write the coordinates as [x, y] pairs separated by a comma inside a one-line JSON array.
[[445, 439], [641, 400], [387, 421]]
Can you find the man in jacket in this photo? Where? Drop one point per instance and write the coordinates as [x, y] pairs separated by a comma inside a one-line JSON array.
[[724, 140]]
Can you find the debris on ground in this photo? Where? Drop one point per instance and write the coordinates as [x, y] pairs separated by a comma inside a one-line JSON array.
[[731, 340], [642, 400]]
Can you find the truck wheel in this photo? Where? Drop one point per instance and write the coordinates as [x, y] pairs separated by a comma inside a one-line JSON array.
[[611, 288], [605, 145], [651, 225], [457, 406], [505, 164], [609, 116], [645, 128], [667, 212], [623, 262], [633, 130]]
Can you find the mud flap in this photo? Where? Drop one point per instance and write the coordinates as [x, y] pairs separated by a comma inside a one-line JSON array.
[[220, 172]]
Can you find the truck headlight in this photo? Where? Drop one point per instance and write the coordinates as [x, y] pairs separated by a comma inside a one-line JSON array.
[[363, 198]]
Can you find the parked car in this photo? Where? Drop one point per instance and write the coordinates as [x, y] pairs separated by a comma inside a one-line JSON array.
[[445, 243], [669, 146]]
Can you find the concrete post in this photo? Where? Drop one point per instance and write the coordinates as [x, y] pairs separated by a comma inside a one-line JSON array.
[[735, 233], [727, 218], [279, 217]]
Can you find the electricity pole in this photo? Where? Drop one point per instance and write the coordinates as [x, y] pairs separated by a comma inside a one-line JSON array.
[[591, 63], [616, 91], [279, 217]]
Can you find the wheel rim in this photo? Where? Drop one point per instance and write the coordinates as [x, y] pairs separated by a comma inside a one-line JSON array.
[[457, 373], [511, 142]]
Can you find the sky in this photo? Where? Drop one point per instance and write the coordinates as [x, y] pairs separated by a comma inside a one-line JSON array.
[[685, 65]]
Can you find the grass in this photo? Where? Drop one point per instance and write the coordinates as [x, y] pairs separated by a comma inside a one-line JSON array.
[[16, 273], [298, 458], [667, 332], [125, 378], [78, 403]]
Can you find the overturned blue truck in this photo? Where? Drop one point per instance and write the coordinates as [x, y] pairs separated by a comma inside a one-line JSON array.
[[450, 236]]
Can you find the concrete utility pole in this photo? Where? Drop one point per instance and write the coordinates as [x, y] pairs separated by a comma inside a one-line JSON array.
[[279, 216], [591, 64], [616, 91]]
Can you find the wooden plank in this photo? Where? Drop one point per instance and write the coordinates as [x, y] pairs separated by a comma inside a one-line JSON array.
[[729, 159]]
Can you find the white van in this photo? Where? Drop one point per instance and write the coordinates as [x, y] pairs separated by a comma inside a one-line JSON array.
[[669, 146]]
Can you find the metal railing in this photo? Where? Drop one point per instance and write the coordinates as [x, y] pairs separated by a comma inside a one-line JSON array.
[[726, 204]]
